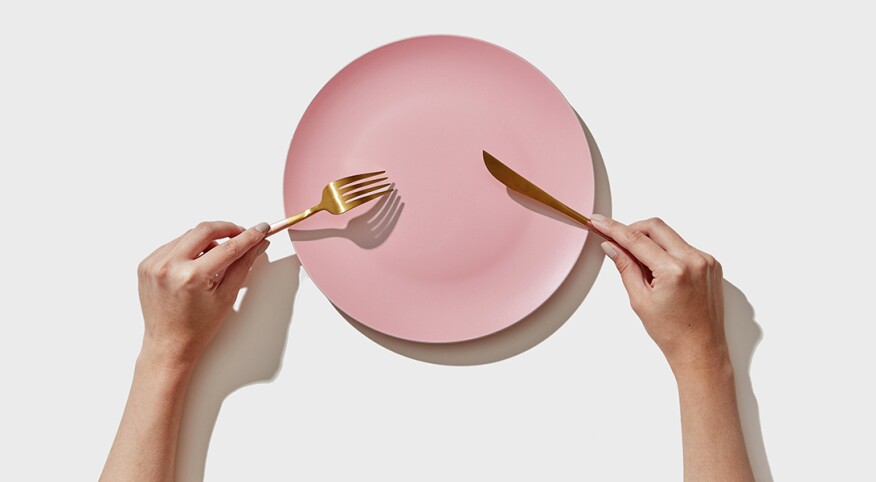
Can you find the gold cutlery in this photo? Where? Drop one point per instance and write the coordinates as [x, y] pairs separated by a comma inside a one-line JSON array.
[[340, 196], [518, 183]]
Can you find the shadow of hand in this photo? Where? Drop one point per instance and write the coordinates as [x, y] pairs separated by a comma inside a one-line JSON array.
[[368, 230], [743, 336], [248, 349]]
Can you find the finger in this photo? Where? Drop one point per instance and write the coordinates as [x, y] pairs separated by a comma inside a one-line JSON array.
[[631, 272], [210, 246], [665, 237], [196, 240], [221, 257], [636, 242], [236, 274]]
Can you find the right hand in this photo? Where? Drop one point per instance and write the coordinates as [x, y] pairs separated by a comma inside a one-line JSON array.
[[674, 288], [188, 286]]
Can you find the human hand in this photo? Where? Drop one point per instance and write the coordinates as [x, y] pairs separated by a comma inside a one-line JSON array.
[[674, 288], [188, 286]]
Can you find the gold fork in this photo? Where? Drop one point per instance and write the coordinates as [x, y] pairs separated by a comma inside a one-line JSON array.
[[340, 196]]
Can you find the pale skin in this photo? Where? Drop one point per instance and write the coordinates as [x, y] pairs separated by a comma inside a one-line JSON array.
[[676, 290], [188, 286]]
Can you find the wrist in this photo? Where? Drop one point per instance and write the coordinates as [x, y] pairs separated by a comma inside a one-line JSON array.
[[167, 357], [165, 383], [710, 368]]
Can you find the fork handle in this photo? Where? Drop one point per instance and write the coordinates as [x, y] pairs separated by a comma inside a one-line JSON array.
[[286, 223]]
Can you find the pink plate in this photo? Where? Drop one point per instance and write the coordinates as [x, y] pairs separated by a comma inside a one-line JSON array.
[[451, 257]]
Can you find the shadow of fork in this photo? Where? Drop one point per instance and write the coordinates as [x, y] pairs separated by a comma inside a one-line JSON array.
[[368, 230]]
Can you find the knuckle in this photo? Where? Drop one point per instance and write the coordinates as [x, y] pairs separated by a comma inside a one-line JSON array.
[[698, 264], [677, 271], [253, 254], [203, 227], [717, 267], [655, 222], [611, 225], [622, 264], [186, 275], [231, 248], [634, 236], [162, 271], [711, 261]]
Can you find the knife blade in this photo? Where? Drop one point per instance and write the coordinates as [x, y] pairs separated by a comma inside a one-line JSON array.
[[518, 183]]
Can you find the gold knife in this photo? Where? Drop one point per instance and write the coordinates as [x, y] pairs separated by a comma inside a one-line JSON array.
[[518, 183]]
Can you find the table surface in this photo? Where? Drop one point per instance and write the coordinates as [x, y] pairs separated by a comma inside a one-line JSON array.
[[749, 129]]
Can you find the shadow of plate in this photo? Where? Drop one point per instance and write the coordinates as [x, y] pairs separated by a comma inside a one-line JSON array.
[[538, 325]]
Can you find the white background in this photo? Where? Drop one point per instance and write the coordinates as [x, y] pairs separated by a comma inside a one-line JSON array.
[[749, 127]]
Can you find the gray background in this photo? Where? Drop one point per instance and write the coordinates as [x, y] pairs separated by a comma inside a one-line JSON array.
[[747, 126]]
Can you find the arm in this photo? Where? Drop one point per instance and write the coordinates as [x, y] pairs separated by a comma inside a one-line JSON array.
[[677, 292], [186, 289]]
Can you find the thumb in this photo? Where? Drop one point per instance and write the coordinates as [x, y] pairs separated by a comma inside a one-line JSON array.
[[629, 268], [236, 274]]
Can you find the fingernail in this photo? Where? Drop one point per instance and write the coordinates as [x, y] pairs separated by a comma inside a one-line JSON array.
[[609, 250], [262, 227], [598, 220], [263, 247]]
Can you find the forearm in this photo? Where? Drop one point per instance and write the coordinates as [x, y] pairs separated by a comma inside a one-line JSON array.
[[714, 448], [145, 445]]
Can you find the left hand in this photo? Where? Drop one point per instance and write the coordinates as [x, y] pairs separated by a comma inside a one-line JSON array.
[[188, 286]]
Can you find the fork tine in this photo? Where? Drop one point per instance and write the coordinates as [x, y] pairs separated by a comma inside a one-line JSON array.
[[362, 200], [383, 207], [350, 187], [368, 190], [347, 180]]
